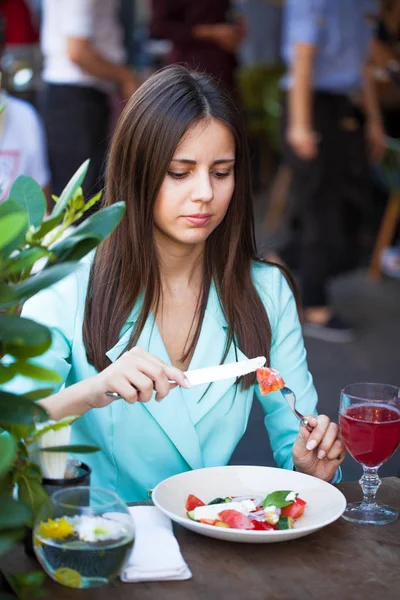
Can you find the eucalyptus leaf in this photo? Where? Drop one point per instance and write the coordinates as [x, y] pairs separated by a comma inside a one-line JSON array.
[[278, 499], [29, 195], [11, 295], [18, 265], [90, 233], [13, 513], [65, 422], [8, 539], [45, 228], [11, 227], [7, 208], [75, 249], [31, 492], [17, 410], [7, 372], [37, 372], [20, 432], [8, 452], [67, 194], [81, 448], [39, 394], [22, 337], [102, 222]]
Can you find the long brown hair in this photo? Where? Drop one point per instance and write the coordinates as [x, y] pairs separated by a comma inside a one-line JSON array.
[[126, 265]]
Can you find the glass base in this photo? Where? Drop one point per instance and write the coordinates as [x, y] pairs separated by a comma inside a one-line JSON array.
[[370, 514]]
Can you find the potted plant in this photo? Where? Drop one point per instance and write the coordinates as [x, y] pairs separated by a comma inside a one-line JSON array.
[[27, 236]]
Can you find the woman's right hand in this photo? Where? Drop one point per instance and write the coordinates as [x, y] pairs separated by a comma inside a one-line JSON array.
[[134, 376]]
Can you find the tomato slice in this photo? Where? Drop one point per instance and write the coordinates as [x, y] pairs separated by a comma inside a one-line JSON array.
[[235, 519], [261, 525], [269, 380], [193, 502], [208, 521], [295, 510]]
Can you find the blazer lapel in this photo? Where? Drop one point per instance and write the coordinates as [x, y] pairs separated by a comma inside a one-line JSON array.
[[209, 352], [171, 413]]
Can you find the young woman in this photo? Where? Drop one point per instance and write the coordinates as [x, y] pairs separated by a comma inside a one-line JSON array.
[[178, 286]]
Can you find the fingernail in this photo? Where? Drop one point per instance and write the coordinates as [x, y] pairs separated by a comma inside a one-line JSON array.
[[311, 444], [186, 383], [321, 454], [313, 422]]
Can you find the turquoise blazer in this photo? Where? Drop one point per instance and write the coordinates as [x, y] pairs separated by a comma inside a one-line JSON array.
[[142, 444]]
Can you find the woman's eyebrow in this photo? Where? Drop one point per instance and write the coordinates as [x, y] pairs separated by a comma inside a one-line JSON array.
[[188, 161]]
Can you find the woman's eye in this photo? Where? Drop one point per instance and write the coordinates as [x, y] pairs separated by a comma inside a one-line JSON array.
[[176, 175], [222, 174]]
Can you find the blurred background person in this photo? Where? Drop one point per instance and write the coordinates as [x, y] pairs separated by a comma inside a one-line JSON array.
[[327, 136], [22, 139], [386, 58], [21, 56], [205, 35], [84, 65], [386, 68]]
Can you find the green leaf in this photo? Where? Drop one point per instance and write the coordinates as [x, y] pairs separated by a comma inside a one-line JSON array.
[[22, 337], [45, 228], [8, 539], [81, 448], [17, 410], [11, 227], [7, 208], [102, 222], [75, 249], [31, 492], [278, 499], [29, 195], [8, 452], [18, 265], [7, 482], [10, 295], [13, 513], [34, 578], [70, 189], [6, 372], [90, 233], [33, 371], [39, 394], [31, 471], [65, 422], [19, 431]]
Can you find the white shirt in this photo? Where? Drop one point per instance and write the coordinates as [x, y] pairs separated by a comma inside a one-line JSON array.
[[22, 145], [96, 20]]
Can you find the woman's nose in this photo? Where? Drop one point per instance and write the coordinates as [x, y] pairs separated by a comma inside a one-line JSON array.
[[202, 190]]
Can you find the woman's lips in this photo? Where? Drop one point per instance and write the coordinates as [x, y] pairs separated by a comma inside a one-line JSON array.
[[198, 220]]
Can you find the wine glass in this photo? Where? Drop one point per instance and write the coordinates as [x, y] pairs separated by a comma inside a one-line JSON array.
[[369, 419], [82, 536]]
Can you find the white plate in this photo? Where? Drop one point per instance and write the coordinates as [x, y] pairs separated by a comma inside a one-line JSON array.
[[325, 503]]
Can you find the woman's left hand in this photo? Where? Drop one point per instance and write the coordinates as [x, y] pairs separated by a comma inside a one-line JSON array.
[[320, 452]]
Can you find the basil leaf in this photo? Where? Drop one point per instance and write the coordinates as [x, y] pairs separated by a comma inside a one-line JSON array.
[[278, 499]]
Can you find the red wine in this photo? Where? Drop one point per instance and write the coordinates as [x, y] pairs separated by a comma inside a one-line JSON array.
[[371, 432]]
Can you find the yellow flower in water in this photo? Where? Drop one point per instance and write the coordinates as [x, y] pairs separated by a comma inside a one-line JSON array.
[[68, 577], [56, 529]]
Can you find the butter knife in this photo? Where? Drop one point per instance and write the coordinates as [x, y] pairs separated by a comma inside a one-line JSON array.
[[210, 374]]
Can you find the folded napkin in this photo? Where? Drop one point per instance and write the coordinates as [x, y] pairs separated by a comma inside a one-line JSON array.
[[155, 555]]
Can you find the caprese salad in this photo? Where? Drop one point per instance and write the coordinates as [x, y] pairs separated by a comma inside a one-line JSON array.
[[277, 511]]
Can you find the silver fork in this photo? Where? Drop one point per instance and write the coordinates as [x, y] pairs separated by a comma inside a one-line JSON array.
[[290, 398]]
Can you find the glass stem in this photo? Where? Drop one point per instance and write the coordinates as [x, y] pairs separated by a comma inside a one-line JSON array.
[[370, 483]]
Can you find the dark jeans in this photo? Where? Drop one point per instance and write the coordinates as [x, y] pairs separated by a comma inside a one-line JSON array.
[[331, 199], [77, 122]]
